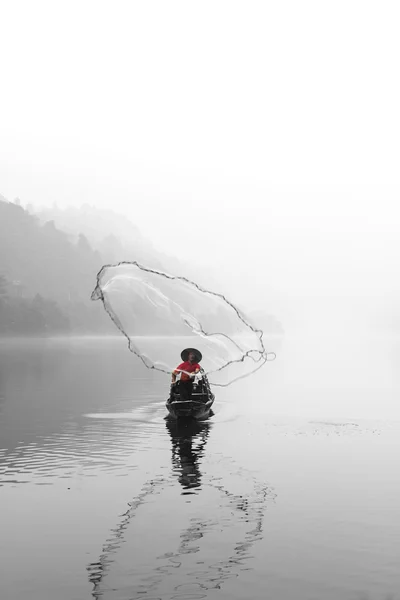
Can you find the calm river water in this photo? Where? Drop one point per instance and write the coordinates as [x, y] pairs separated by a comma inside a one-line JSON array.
[[290, 491]]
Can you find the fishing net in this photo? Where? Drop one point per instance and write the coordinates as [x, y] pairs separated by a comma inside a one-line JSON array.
[[161, 314]]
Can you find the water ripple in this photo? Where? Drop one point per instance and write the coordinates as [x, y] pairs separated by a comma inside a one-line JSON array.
[[91, 448]]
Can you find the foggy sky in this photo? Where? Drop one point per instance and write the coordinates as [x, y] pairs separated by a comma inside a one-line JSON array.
[[259, 138]]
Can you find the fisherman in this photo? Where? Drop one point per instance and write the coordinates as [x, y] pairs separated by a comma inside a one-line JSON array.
[[188, 369]]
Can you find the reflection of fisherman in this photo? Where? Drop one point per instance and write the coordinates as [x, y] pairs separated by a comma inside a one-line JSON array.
[[188, 447], [188, 369]]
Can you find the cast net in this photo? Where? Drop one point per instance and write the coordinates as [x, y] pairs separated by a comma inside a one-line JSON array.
[[161, 314]]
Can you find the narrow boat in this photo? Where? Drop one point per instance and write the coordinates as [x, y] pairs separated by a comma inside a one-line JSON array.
[[200, 403]]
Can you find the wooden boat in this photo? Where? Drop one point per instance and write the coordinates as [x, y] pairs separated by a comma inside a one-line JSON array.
[[200, 403]]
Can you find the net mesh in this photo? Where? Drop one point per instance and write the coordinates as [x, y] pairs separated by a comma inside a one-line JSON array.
[[160, 314]]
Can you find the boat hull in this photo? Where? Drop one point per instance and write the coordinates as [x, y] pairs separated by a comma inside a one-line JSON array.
[[189, 409]]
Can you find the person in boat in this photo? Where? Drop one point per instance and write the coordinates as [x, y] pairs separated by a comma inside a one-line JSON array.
[[188, 369]]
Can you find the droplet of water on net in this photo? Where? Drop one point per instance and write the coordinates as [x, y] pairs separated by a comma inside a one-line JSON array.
[[162, 314]]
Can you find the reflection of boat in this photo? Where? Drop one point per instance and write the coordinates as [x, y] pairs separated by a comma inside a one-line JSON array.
[[188, 439], [225, 524], [200, 403]]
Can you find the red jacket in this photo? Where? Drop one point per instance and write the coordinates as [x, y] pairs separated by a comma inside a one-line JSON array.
[[189, 367]]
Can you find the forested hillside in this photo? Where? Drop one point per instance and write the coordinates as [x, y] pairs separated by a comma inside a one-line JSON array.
[[45, 278], [48, 271]]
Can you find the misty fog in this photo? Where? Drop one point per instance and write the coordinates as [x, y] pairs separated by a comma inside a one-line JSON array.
[[253, 149], [257, 146]]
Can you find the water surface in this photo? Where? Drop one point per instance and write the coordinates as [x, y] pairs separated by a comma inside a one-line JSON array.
[[289, 491]]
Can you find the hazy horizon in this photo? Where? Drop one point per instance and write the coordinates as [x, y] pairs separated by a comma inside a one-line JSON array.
[[329, 277]]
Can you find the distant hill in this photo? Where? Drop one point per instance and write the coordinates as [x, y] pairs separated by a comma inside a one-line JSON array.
[[110, 233], [48, 267], [45, 278], [118, 239]]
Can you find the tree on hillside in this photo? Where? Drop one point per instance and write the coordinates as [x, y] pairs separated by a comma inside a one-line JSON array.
[[83, 244]]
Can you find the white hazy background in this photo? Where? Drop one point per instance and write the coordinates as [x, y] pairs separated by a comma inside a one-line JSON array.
[[258, 139]]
